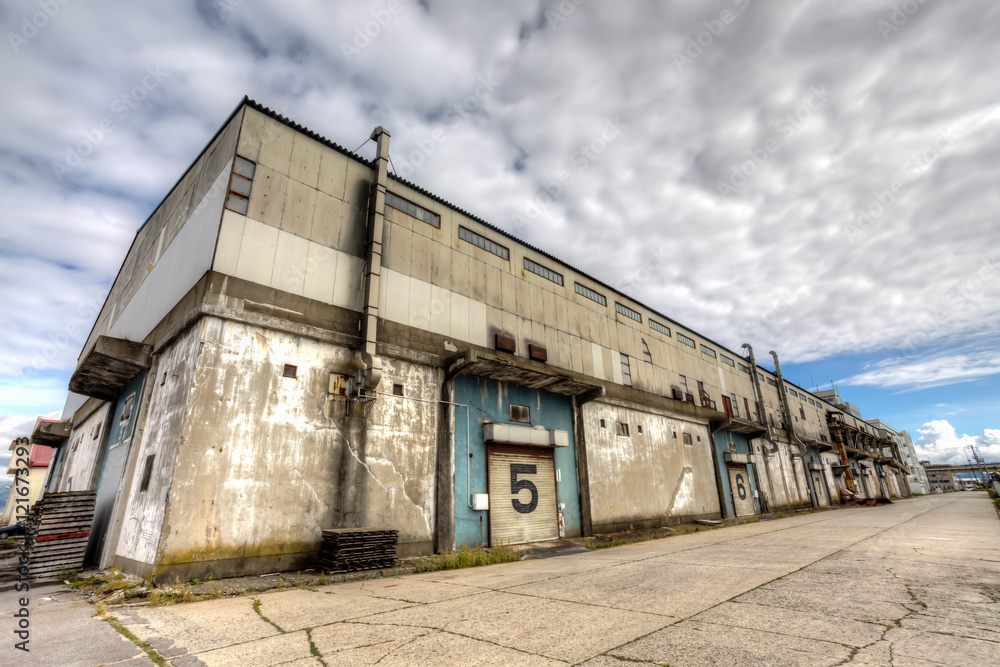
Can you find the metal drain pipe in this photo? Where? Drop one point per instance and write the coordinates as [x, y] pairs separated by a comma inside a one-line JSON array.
[[787, 411], [371, 375], [762, 414]]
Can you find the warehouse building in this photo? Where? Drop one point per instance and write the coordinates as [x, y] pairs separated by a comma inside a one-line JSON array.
[[299, 339]]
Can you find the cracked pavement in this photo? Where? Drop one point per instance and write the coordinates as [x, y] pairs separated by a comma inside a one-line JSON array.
[[912, 583]]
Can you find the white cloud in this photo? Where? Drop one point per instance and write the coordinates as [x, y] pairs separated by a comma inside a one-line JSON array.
[[787, 262], [922, 373], [939, 443]]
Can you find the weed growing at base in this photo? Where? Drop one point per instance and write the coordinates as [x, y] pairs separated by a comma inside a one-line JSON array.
[[468, 556]]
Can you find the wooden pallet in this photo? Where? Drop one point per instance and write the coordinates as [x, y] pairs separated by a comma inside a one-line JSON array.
[[353, 549], [58, 532]]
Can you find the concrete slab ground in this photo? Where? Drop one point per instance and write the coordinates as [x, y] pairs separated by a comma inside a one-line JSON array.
[[912, 583], [62, 629]]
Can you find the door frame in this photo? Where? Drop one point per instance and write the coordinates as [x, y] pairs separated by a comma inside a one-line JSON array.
[[514, 449]]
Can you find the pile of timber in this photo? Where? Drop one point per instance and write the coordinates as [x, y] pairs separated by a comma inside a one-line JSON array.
[[58, 529], [351, 549]]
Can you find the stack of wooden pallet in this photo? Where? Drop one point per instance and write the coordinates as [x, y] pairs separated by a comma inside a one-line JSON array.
[[59, 528], [350, 549]]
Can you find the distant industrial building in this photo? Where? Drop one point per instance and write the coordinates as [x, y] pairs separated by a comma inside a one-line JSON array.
[[299, 339]]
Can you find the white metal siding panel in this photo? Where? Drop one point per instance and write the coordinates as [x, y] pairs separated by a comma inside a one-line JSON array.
[[739, 483], [511, 470]]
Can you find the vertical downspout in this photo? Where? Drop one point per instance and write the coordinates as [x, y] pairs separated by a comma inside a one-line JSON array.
[[372, 374], [762, 414], [787, 411]]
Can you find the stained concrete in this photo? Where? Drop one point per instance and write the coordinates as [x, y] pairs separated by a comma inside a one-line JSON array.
[[63, 630], [913, 583]]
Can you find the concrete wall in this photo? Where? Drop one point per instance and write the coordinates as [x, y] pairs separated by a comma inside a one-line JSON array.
[[305, 226], [267, 461], [78, 471], [162, 434], [651, 478]]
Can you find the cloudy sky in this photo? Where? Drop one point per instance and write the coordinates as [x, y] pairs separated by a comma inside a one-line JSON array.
[[818, 178]]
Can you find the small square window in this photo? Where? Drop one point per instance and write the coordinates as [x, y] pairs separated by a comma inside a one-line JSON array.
[[397, 390], [603, 425], [687, 439], [520, 413], [621, 428], [289, 371], [639, 428]]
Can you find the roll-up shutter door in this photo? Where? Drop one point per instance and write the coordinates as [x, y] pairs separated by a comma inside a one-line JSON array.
[[739, 482], [522, 496]]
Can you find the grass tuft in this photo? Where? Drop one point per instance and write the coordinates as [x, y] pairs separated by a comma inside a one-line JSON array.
[[146, 647], [66, 573], [468, 556]]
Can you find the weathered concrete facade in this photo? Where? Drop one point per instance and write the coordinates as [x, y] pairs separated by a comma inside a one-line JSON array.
[[317, 343]]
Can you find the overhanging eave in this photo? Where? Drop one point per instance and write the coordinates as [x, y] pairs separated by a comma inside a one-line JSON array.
[[524, 372], [51, 434], [109, 366]]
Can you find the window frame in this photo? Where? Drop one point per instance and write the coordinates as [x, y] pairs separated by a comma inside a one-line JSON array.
[[483, 243], [626, 370], [682, 338], [622, 309], [543, 271], [403, 202], [588, 293], [660, 328]]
